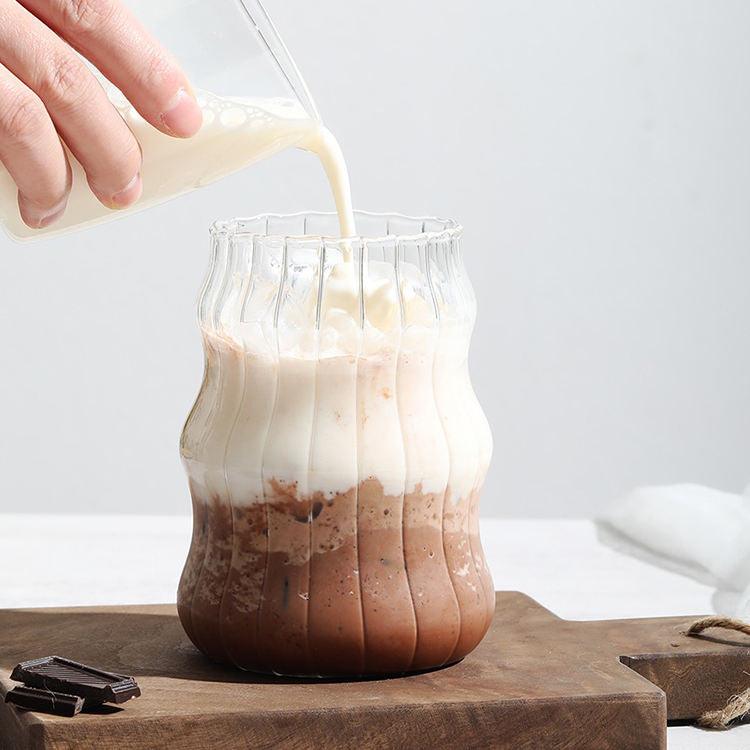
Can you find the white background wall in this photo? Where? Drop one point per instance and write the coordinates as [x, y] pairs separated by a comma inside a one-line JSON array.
[[598, 154]]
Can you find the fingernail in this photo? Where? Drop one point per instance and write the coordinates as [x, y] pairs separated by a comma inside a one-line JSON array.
[[38, 218], [182, 116], [128, 195], [52, 218]]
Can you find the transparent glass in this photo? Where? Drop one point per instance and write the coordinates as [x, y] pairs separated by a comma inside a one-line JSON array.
[[254, 100], [228, 47], [336, 451]]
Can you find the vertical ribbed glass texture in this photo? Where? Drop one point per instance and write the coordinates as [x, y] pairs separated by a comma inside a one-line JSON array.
[[336, 451]]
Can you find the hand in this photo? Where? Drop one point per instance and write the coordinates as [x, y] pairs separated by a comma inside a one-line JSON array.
[[48, 95]]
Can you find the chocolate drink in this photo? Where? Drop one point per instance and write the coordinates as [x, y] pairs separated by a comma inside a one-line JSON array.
[[336, 455], [190, 447], [201, 595]]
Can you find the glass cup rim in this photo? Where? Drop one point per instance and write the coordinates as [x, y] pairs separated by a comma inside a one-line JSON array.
[[231, 227]]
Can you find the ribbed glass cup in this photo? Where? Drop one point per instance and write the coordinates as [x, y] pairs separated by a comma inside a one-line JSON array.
[[336, 451]]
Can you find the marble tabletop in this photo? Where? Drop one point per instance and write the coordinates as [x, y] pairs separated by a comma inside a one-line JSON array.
[[559, 563]]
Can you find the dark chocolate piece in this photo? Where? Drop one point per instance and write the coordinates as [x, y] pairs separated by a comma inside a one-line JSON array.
[[66, 676], [44, 701]]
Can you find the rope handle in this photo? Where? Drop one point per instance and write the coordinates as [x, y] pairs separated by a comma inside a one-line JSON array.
[[738, 706]]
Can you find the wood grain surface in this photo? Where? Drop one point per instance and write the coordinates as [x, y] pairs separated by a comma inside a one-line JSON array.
[[536, 681]]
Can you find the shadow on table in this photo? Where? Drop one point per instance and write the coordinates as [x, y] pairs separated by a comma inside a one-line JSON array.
[[131, 643]]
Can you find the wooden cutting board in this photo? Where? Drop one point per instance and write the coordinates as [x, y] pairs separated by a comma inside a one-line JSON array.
[[536, 681]]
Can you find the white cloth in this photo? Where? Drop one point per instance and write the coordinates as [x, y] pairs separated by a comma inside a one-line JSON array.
[[697, 531]]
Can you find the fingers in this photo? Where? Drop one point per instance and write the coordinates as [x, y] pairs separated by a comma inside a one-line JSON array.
[[47, 92], [78, 106], [31, 151], [105, 32]]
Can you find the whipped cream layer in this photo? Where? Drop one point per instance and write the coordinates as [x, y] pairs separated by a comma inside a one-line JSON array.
[[363, 376]]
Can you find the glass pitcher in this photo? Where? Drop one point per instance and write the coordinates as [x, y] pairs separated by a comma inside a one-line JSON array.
[[254, 103], [336, 451]]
